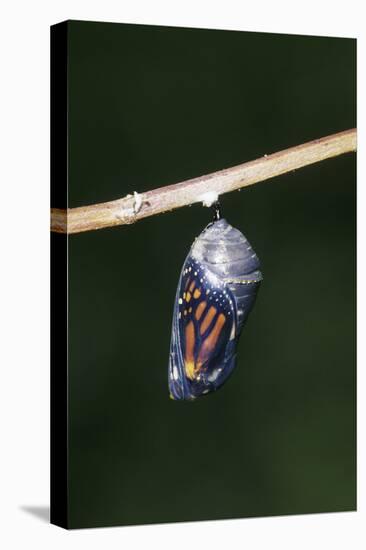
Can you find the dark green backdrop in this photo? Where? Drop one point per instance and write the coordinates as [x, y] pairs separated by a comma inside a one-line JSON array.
[[151, 106]]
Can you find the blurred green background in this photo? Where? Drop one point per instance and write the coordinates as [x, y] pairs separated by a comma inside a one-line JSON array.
[[151, 106]]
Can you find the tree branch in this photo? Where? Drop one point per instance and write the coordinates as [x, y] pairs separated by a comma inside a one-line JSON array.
[[133, 208]]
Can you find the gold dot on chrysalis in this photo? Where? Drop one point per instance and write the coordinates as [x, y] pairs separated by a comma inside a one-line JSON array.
[[190, 310], [185, 312]]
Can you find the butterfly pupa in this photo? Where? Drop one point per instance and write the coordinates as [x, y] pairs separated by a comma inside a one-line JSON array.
[[216, 291]]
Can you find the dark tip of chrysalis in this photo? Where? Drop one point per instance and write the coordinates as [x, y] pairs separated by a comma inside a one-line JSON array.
[[216, 211]]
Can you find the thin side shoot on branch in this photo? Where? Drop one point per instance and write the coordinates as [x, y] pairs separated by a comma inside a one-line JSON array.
[[130, 209]]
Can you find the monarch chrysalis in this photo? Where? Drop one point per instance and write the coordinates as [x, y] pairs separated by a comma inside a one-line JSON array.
[[217, 288]]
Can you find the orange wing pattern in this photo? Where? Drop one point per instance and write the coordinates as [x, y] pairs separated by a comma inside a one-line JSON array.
[[216, 291], [206, 318]]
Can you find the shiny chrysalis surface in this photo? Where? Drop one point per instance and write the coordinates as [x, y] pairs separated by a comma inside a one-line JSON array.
[[216, 291]]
